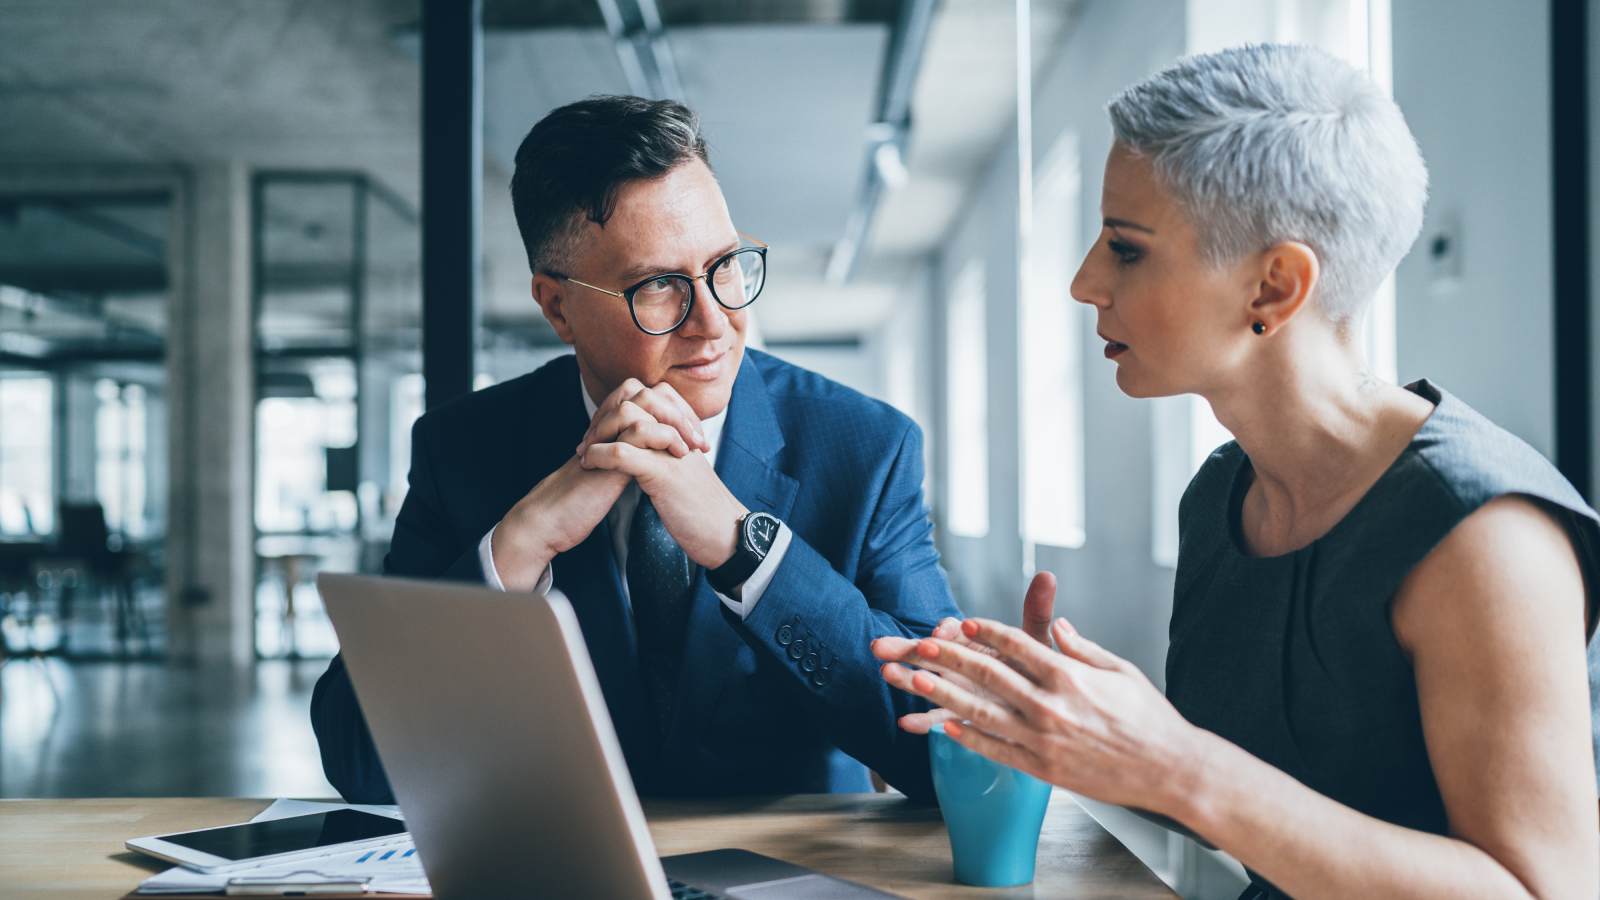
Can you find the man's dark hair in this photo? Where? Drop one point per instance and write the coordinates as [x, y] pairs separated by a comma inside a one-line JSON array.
[[574, 160]]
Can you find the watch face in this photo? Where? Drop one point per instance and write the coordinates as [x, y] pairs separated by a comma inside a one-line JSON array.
[[760, 530]]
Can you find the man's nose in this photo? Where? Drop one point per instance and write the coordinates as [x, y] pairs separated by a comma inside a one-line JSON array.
[[707, 319]]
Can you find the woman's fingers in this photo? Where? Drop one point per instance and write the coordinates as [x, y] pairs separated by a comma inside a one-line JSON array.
[[1015, 646], [1039, 607], [923, 722], [967, 705], [987, 673], [1017, 756], [893, 648], [1082, 649], [899, 676]]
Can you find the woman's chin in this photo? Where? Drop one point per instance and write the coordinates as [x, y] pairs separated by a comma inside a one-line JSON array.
[[1128, 383], [1141, 388]]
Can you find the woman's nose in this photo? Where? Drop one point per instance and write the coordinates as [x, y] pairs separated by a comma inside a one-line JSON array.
[[1087, 287]]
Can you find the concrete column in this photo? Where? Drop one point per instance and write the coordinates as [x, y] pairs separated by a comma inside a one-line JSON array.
[[211, 387]]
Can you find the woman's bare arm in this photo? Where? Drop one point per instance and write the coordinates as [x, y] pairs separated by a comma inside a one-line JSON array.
[[1494, 621]]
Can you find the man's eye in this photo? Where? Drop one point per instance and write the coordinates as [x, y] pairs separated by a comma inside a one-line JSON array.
[[657, 286]]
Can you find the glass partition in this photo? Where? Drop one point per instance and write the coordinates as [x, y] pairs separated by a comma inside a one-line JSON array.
[[83, 466], [337, 326]]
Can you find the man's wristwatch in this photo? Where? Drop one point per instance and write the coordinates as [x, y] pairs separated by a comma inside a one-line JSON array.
[[757, 531]]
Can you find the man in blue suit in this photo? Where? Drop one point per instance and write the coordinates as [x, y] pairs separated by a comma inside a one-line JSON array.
[[732, 530]]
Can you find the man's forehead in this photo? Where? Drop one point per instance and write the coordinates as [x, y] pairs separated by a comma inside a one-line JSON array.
[[678, 211], [685, 192]]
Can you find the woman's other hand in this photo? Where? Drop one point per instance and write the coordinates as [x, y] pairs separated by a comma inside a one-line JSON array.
[[1038, 605], [1083, 718]]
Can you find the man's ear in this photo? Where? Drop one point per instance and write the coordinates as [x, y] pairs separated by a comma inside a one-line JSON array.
[[1290, 272], [551, 296]]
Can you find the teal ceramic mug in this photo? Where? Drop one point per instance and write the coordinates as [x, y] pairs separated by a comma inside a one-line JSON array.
[[992, 811]]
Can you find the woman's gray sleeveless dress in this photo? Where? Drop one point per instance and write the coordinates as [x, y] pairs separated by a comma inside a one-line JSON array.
[[1294, 657]]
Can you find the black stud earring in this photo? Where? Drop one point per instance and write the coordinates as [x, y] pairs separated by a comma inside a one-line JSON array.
[[1259, 328]]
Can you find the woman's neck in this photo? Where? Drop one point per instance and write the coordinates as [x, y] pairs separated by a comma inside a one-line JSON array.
[[1319, 429]]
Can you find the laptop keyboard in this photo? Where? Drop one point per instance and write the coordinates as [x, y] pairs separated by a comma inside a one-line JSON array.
[[681, 891]]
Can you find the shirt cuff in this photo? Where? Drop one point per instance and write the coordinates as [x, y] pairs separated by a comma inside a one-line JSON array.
[[750, 592], [491, 576]]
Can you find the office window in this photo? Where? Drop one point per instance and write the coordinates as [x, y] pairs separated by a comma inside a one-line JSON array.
[[1051, 358], [967, 406], [301, 416], [120, 454], [27, 430]]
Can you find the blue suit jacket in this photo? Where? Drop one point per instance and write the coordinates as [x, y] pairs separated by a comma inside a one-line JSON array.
[[765, 705]]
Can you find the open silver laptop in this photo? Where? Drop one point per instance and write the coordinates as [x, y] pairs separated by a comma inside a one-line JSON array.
[[489, 719]]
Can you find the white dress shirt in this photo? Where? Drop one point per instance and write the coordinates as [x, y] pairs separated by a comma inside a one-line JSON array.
[[621, 517]]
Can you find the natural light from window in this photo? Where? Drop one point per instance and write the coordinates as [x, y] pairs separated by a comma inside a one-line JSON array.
[[966, 387], [1051, 360], [27, 502]]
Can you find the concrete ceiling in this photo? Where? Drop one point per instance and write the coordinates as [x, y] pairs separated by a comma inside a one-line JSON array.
[[965, 105], [785, 88]]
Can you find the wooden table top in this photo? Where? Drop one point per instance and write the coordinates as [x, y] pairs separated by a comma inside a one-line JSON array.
[[74, 848]]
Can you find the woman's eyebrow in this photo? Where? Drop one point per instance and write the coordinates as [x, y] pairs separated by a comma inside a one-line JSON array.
[[1124, 223]]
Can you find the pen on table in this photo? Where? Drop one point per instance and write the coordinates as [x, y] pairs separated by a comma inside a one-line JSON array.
[[290, 887]]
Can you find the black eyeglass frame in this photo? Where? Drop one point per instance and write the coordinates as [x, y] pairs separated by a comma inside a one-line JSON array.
[[760, 247]]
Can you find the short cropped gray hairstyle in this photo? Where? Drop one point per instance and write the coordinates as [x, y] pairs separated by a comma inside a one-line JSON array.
[[1274, 142]]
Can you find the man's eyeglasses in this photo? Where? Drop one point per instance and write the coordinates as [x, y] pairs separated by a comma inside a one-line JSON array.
[[661, 303]]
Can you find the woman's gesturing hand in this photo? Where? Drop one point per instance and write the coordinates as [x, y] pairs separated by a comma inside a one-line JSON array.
[[1038, 605], [1083, 718]]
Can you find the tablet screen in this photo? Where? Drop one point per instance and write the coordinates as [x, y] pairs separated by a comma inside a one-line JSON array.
[[295, 833]]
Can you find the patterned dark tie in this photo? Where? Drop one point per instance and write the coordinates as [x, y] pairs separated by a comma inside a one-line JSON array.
[[659, 589]]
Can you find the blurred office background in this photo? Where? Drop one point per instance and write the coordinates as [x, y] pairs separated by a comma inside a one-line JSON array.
[[213, 313]]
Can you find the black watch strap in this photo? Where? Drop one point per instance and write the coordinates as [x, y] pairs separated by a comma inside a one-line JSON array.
[[757, 532]]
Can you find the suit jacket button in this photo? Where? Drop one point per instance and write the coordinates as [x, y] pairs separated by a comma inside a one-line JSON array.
[[809, 664], [797, 649], [785, 635], [821, 677]]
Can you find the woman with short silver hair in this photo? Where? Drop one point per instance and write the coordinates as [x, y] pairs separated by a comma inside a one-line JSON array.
[[1379, 674]]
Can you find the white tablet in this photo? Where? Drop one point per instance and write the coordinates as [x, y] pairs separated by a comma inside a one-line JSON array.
[[274, 840]]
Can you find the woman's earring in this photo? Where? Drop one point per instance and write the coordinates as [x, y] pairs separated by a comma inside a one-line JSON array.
[[1259, 328]]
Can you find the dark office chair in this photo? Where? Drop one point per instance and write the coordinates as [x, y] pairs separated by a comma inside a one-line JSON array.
[[17, 560], [83, 539]]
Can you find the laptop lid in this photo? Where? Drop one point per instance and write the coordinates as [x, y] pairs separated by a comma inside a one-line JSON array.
[[489, 719]]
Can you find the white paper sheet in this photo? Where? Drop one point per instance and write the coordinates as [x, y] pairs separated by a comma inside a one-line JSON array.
[[392, 868]]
